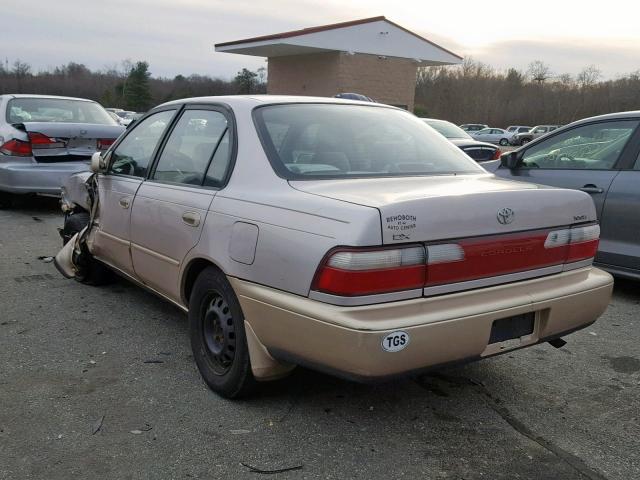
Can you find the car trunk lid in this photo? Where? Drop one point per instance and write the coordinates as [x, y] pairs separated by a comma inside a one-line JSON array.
[[435, 208], [58, 142]]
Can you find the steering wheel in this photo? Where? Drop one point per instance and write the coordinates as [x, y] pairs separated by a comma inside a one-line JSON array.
[[564, 160]]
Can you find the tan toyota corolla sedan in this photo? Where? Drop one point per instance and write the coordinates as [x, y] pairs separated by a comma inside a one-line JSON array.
[[348, 237]]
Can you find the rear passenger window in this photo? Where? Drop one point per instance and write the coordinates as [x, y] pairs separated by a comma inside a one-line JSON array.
[[191, 146]]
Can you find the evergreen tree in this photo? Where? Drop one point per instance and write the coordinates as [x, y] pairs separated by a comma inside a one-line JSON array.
[[136, 89], [246, 81]]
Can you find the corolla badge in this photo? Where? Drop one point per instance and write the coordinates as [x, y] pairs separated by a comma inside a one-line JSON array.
[[505, 216]]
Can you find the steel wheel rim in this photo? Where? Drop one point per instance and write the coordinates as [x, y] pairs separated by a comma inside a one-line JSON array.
[[218, 331]]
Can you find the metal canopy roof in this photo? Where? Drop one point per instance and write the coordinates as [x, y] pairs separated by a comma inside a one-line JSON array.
[[375, 36]]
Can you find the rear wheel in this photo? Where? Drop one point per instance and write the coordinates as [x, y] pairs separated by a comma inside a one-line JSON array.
[[218, 339], [524, 141]]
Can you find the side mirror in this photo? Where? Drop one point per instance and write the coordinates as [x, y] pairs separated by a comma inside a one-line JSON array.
[[509, 160], [98, 165]]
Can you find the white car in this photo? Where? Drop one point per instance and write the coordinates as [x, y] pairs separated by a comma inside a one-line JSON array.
[[493, 135]]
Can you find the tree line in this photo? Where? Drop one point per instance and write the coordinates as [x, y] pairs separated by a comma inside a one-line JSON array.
[[128, 85], [469, 93], [477, 93]]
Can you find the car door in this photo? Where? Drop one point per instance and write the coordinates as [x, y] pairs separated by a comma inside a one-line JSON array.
[[586, 157], [482, 135], [620, 223], [170, 207], [128, 163]]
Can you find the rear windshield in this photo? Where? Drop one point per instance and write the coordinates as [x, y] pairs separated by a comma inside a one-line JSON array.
[[449, 130], [20, 110], [337, 141]]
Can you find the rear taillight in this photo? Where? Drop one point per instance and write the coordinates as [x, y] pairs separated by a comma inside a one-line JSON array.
[[41, 141], [17, 148], [496, 155], [104, 143], [577, 243], [351, 272]]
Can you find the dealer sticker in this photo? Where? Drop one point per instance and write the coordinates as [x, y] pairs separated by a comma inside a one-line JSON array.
[[395, 341]]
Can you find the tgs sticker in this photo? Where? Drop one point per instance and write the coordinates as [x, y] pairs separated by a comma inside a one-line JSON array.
[[395, 341]]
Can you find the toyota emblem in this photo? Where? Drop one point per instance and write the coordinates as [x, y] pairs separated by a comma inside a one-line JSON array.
[[505, 216]]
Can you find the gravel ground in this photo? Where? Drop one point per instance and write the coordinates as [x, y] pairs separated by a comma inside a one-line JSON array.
[[100, 383]]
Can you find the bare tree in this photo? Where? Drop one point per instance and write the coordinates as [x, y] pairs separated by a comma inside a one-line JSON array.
[[589, 76], [539, 71]]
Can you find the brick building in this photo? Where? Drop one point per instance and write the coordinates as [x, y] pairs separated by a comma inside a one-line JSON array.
[[374, 57]]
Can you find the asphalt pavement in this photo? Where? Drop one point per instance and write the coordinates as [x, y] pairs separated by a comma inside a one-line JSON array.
[[99, 382]]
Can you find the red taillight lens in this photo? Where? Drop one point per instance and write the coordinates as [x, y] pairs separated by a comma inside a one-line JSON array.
[[104, 143], [41, 141], [351, 272], [17, 148], [491, 256], [496, 155]]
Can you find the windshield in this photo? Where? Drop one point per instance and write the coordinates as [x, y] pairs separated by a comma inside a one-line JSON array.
[[448, 129], [58, 110], [338, 141]]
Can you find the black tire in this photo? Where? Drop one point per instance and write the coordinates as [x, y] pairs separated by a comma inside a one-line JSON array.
[[73, 224], [90, 271], [218, 339], [504, 142], [6, 200], [524, 141]]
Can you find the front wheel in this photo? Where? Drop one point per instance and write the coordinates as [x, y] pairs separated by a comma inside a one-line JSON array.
[[504, 142], [89, 270], [218, 340], [524, 141]]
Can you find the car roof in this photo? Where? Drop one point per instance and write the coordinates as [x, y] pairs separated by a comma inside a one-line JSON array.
[[233, 100], [57, 97], [609, 116]]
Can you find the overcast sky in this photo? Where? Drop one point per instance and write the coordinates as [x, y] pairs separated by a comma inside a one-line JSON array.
[[177, 36]]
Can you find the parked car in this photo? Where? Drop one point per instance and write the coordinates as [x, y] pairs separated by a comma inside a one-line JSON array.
[[479, 151], [344, 236], [473, 127], [44, 139], [127, 116], [513, 129], [600, 156], [354, 96], [115, 117], [525, 137], [493, 135]]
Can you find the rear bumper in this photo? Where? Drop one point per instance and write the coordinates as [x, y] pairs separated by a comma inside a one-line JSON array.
[[46, 178], [347, 341]]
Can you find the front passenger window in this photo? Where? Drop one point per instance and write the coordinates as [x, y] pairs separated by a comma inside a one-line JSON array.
[[191, 145], [133, 154], [590, 147]]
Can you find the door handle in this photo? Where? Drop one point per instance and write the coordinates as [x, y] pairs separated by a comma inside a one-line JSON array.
[[191, 218], [590, 188], [125, 202]]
